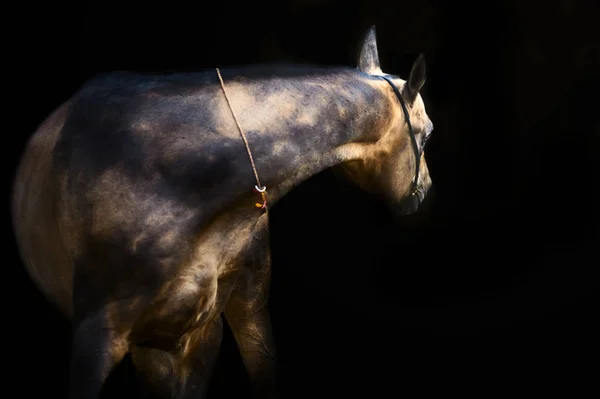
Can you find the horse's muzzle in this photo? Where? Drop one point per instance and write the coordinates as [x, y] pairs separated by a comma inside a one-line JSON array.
[[413, 203]]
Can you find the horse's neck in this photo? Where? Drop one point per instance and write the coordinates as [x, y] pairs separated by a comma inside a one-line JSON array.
[[295, 175], [346, 121]]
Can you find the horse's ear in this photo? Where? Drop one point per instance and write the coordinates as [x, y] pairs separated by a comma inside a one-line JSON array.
[[416, 79], [368, 60]]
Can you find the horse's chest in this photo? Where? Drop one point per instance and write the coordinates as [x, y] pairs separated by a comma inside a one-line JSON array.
[[187, 303], [199, 291]]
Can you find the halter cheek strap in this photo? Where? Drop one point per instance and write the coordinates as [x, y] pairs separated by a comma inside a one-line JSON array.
[[413, 138]]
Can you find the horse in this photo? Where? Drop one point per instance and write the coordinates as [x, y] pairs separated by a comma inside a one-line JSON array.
[[140, 205]]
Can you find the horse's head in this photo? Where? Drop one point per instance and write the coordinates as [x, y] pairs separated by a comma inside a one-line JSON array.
[[394, 167]]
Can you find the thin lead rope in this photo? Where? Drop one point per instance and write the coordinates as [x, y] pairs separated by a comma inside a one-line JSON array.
[[259, 187]]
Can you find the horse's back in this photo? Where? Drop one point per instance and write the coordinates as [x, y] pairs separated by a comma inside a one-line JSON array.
[[35, 216]]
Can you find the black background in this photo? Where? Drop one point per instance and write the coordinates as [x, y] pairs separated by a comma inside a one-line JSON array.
[[488, 291]]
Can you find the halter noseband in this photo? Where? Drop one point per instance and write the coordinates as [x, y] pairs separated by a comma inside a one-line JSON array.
[[415, 186]]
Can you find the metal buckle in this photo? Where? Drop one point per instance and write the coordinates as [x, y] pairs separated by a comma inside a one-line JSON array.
[[415, 190]]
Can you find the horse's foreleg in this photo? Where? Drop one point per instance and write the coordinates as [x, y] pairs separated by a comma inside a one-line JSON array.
[[247, 315], [155, 372], [97, 348], [195, 364], [184, 372], [255, 341]]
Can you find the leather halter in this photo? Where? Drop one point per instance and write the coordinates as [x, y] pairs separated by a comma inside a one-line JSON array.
[[415, 184]]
